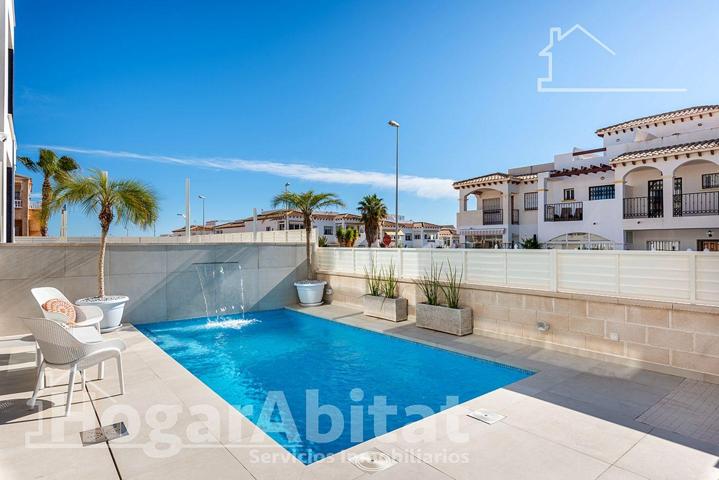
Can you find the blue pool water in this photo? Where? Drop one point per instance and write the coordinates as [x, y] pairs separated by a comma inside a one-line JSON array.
[[282, 363]]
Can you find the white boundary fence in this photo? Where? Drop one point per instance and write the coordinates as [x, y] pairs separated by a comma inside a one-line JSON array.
[[275, 236], [682, 277]]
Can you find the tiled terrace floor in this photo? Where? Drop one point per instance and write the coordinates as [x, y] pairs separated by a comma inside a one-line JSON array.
[[575, 419]]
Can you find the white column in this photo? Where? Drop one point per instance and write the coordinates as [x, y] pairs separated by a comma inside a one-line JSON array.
[[668, 194], [541, 202], [462, 201], [619, 209], [506, 213]]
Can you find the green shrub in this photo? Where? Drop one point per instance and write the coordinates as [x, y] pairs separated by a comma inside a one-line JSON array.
[[389, 282], [451, 288], [531, 243], [429, 284], [374, 280]]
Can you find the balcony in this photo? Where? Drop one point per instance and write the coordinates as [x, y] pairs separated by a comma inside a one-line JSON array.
[[694, 204], [564, 212], [643, 207], [18, 203], [492, 217]]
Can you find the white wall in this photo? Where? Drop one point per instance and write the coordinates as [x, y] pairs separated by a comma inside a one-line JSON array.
[[685, 277], [161, 279], [8, 148]]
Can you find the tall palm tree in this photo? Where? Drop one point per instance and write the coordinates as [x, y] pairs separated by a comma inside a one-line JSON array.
[[111, 200], [373, 211], [52, 168], [307, 203]]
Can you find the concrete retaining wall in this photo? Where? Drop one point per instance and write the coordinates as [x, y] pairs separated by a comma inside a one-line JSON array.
[[160, 280], [667, 337]]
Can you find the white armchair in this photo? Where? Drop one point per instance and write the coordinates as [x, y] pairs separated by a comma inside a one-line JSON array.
[[87, 315], [86, 327], [61, 349]]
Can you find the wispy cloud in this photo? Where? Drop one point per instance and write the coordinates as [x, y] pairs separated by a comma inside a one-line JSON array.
[[425, 187]]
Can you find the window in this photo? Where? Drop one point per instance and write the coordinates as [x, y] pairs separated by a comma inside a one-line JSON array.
[[530, 201], [268, 229], [417, 236], [408, 237], [296, 226], [568, 194], [426, 237], [601, 192], [328, 230], [710, 180]]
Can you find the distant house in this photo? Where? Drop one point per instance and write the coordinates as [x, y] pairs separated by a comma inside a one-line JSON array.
[[27, 212], [414, 234]]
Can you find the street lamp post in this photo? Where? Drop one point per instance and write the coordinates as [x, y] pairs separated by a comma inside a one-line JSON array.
[[203, 198], [394, 124]]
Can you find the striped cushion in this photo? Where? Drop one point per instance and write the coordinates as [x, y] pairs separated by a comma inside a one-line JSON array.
[[58, 305]]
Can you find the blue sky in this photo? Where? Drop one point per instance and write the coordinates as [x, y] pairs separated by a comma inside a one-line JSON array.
[[245, 96]]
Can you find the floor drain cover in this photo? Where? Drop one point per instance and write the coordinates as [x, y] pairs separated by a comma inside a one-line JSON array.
[[372, 461], [486, 416], [103, 434]]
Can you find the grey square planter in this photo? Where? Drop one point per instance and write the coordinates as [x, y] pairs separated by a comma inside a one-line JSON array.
[[457, 321], [392, 309]]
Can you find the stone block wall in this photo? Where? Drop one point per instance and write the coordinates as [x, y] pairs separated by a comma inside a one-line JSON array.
[[160, 279], [666, 337]]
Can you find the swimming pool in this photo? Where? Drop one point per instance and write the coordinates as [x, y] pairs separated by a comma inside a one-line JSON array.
[[313, 384]]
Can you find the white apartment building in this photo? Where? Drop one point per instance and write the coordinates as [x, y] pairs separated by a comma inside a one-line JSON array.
[[8, 145], [653, 184]]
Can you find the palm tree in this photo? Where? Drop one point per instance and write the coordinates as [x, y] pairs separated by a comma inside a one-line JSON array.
[[307, 203], [373, 211], [119, 200], [52, 168]]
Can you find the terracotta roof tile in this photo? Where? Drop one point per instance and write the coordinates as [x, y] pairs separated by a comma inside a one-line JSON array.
[[493, 177], [661, 117], [680, 149]]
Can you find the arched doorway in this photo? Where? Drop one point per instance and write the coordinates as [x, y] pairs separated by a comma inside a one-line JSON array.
[[643, 193], [696, 188]]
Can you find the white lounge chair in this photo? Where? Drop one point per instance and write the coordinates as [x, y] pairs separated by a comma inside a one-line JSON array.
[[61, 349], [87, 316]]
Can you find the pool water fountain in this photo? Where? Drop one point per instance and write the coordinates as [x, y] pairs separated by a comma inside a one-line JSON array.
[[223, 290]]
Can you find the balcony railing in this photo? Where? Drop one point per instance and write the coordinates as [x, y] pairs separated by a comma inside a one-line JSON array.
[[638, 207], [702, 203], [492, 217], [515, 217], [563, 212]]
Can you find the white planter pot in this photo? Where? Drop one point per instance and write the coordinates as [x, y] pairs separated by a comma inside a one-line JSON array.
[[310, 292], [393, 309], [112, 307], [457, 321]]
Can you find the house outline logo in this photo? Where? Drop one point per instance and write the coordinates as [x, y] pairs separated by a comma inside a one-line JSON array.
[[556, 36]]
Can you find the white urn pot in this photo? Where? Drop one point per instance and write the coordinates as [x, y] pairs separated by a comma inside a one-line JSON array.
[[310, 292], [112, 307]]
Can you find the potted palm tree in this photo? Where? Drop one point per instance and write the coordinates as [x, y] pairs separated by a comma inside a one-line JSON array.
[[52, 168], [373, 212], [310, 291], [125, 201]]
